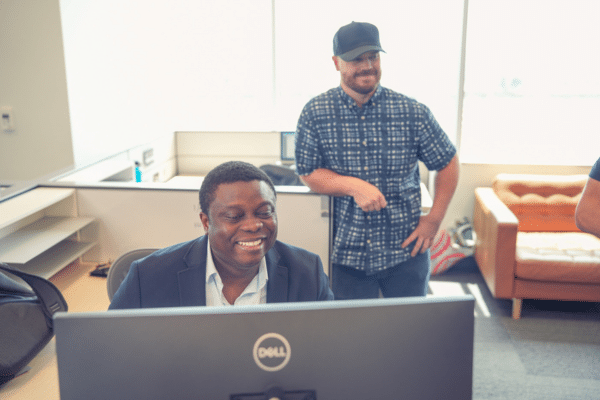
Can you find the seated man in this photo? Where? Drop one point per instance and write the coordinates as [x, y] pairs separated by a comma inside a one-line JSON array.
[[587, 214], [245, 264]]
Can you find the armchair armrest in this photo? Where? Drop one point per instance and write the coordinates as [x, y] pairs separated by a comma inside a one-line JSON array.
[[496, 229]]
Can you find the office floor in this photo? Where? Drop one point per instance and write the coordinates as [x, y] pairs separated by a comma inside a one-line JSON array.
[[551, 353], [82, 293]]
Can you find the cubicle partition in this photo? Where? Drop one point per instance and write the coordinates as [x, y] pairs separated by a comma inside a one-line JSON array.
[[130, 218]]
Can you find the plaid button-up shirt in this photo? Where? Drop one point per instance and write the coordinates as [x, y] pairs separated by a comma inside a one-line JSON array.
[[381, 144]]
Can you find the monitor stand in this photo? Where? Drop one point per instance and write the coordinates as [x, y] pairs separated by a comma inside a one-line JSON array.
[[277, 393]]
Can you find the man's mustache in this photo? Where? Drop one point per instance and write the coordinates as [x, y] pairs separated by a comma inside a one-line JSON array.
[[367, 73]]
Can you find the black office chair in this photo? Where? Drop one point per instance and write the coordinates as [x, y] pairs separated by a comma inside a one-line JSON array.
[[282, 175], [119, 269]]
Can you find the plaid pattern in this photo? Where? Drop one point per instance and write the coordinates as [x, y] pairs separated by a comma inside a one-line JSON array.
[[381, 144]]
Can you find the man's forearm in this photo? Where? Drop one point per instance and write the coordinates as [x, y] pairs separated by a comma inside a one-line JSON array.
[[324, 181]]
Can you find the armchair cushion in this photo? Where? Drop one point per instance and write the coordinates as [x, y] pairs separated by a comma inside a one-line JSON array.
[[541, 203], [558, 257]]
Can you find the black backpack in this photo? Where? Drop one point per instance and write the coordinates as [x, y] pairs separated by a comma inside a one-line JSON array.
[[25, 319]]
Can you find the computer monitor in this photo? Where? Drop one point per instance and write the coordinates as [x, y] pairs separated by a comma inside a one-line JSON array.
[[288, 147], [411, 348]]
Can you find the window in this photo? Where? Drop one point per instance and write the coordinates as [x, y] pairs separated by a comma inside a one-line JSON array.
[[139, 69], [422, 40], [532, 87]]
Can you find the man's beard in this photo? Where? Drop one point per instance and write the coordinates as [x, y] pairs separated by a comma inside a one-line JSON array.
[[361, 89]]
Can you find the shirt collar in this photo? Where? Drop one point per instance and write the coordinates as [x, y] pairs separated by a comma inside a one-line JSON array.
[[350, 101]]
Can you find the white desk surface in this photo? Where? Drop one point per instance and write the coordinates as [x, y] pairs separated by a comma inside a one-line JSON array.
[[186, 181], [82, 293]]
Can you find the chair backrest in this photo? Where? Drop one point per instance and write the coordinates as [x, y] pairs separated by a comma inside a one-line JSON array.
[[119, 269], [541, 203], [281, 175]]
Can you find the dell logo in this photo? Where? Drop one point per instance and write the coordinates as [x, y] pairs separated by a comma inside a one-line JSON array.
[[271, 352]]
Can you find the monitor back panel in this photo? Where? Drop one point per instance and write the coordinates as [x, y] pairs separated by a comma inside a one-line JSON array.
[[373, 349]]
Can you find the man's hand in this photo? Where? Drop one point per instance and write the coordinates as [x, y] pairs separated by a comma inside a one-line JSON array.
[[446, 180], [368, 197], [423, 234]]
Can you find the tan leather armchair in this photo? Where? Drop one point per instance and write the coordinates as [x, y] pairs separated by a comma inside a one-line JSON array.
[[527, 245]]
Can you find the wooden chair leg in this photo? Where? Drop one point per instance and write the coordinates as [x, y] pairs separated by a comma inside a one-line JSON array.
[[516, 308]]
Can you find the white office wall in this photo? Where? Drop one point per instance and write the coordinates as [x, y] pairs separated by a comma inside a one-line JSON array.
[[33, 83], [199, 152]]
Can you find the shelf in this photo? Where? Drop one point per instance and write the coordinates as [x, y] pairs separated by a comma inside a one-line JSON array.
[[29, 203], [23, 245], [40, 232], [56, 258]]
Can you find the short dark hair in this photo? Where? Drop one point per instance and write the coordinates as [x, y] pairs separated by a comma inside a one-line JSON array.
[[230, 172]]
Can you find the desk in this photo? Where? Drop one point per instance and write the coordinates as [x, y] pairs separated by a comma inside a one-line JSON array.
[[82, 293], [86, 293]]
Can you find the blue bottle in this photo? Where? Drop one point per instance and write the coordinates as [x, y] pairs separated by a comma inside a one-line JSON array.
[[138, 172]]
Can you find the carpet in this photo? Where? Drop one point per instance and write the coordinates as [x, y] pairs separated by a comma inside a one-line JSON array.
[[551, 353]]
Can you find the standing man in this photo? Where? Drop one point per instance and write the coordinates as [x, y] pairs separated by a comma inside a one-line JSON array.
[[361, 142]]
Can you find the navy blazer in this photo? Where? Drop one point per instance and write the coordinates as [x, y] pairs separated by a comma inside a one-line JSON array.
[[176, 276]]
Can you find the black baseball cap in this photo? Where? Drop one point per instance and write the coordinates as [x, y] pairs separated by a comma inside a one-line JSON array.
[[354, 39]]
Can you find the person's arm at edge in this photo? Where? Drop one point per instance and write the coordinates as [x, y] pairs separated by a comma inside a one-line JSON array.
[[446, 181], [328, 182], [587, 213]]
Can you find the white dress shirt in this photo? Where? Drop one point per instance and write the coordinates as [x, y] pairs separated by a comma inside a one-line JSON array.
[[254, 293]]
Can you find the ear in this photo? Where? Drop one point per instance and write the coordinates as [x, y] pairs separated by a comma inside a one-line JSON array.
[[204, 220], [336, 61]]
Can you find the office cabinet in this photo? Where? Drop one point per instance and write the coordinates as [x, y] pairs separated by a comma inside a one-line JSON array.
[[41, 233]]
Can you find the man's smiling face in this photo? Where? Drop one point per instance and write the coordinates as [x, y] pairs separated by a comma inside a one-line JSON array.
[[241, 226], [362, 75]]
